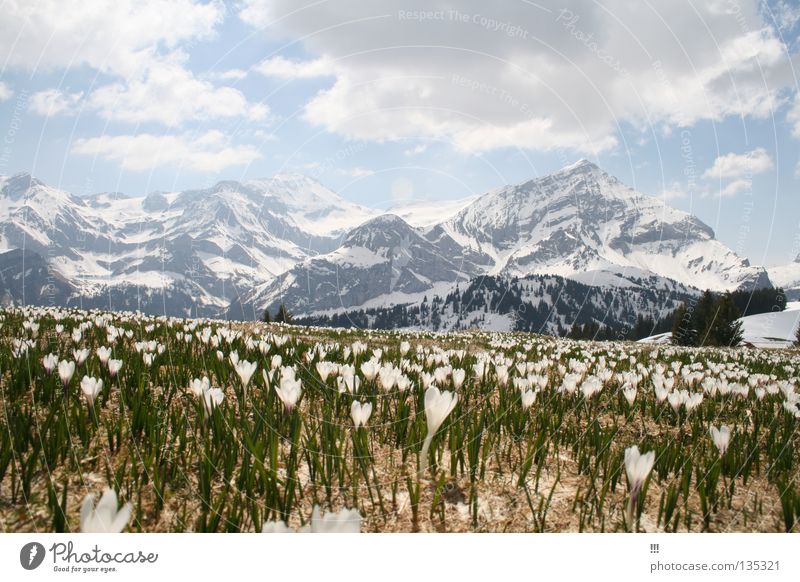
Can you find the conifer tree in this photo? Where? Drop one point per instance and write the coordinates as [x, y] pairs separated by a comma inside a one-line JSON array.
[[703, 317], [283, 315], [682, 333], [725, 330]]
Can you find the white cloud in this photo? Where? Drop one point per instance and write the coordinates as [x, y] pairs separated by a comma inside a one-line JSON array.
[[673, 192], [170, 94], [416, 150], [736, 186], [730, 189], [141, 44], [232, 75], [119, 37], [489, 75], [54, 102], [357, 172], [793, 116], [786, 15], [286, 69], [209, 152], [5, 92], [258, 112], [740, 165]]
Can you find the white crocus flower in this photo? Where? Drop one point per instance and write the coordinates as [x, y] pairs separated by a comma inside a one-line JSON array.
[[637, 468], [50, 363], [81, 355], [693, 401], [502, 375], [675, 400], [325, 369], [343, 521], [629, 392], [199, 385], [65, 371], [721, 437], [212, 398], [528, 398], [91, 388], [360, 413], [103, 354], [114, 366], [370, 370], [387, 377], [105, 518], [352, 383], [245, 370], [276, 527], [459, 376], [438, 405], [289, 391], [403, 383]]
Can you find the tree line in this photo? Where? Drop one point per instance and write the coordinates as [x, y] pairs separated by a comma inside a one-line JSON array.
[[281, 316], [710, 320]]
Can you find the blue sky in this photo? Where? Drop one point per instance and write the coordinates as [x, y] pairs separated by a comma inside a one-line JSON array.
[[386, 101]]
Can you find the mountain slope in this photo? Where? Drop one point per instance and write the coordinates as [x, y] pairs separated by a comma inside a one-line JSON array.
[[537, 303], [578, 223], [384, 258], [788, 277], [197, 248], [238, 247], [582, 219], [775, 329]]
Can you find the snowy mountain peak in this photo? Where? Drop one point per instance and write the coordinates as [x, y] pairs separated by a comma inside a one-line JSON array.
[[383, 231], [16, 186], [289, 238], [582, 165], [296, 189], [580, 218]]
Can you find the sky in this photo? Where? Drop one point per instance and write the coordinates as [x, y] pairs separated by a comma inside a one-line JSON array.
[[394, 101]]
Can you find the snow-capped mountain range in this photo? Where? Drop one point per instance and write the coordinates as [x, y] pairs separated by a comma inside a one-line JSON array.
[[238, 247], [788, 277]]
